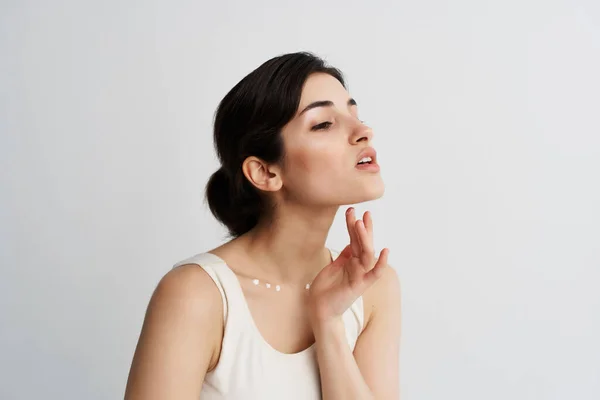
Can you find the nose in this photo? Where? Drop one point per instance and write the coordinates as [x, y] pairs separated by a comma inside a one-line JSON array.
[[360, 133]]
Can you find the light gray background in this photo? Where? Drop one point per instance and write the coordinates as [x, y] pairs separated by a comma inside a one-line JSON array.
[[487, 122]]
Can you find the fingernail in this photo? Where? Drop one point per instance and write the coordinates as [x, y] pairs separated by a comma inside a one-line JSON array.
[[348, 211]]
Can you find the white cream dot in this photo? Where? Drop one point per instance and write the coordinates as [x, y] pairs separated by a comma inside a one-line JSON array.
[[308, 286], [278, 288], [255, 281], [268, 285]]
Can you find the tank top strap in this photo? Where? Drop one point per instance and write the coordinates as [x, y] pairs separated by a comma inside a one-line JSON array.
[[223, 277], [236, 312]]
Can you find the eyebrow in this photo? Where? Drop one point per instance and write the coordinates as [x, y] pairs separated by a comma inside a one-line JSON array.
[[324, 103]]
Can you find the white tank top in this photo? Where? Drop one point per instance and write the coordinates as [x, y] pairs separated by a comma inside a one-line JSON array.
[[248, 367]]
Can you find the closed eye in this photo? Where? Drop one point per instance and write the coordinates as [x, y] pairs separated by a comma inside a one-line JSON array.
[[322, 126]]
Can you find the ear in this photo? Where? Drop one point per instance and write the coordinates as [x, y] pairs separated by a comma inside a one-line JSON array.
[[262, 175]]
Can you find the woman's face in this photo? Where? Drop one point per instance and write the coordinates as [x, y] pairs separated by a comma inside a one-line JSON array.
[[324, 143]]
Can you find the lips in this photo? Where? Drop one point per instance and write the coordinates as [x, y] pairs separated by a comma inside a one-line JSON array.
[[370, 166], [367, 152]]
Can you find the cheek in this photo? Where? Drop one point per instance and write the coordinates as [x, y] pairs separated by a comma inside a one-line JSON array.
[[314, 160]]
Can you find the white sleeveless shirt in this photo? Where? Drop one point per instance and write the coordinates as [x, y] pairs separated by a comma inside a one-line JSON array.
[[248, 367]]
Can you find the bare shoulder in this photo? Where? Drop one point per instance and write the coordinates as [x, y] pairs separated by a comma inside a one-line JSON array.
[[180, 338], [384, 296], [189, 288], [188, 297]]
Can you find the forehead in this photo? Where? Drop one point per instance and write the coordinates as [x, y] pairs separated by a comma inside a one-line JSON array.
[[321, 86]]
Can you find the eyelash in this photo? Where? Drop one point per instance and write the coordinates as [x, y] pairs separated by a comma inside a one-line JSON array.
[[322, 126], [326, 125]]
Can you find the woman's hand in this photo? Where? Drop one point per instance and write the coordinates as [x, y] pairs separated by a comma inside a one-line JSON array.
[[340, 283]]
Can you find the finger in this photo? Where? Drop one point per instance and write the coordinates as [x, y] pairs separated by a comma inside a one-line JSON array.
[[368, 223], [350, 222], [344, 255], [367, 251], [341, 259], [377, 272]]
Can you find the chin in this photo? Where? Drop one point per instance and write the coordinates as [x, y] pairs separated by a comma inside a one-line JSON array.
[[367, 193]]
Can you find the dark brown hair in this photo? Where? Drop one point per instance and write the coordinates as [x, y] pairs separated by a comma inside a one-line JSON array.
[[248, 122]]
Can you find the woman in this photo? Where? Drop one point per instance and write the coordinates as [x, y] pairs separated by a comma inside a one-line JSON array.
[[273, 313]]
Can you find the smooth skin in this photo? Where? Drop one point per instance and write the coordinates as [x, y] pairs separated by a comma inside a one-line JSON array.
[[183, 328], [182, 332]]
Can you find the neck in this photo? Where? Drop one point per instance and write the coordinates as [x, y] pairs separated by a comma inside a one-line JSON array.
[[290, 248]]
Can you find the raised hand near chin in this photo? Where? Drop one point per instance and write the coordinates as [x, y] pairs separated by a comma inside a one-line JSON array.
[[343, 281]]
